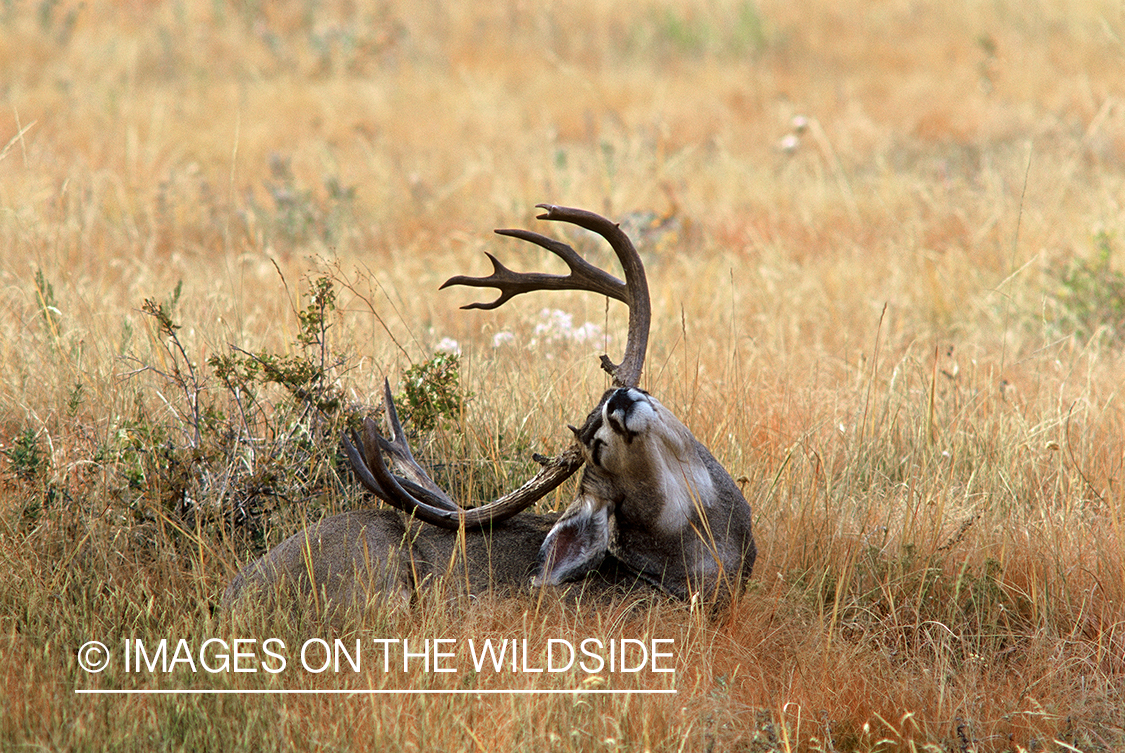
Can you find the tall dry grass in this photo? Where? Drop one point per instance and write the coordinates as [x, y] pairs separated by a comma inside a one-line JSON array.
[[901, 329]]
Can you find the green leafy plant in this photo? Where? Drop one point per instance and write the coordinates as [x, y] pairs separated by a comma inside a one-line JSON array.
[[1090, 294], [182, 372], [304, 374], [432, 391], [25, 459], [237, 444]]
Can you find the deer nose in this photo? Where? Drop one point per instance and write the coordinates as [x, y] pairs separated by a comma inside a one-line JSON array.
[[619, 409]]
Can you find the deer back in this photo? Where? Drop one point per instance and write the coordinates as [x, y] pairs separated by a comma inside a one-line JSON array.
[[383, 556], [363, 555]]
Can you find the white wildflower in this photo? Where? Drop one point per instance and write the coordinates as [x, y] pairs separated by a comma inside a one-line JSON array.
[[557, 326], [588, 332], [448, 345]]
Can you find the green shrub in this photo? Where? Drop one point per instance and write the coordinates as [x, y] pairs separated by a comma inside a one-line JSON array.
[[1090, 294], [432, 391]]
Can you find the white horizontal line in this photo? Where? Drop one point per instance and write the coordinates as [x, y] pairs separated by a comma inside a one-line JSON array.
[[304, 691]]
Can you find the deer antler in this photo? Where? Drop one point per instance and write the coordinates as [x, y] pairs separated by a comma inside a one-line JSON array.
[[583, 276], [417, 494]]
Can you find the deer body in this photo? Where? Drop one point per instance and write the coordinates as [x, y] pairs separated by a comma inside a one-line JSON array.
[[362, 555], [653, 510]]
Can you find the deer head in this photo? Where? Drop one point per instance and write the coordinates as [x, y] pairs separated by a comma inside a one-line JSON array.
[[651, 499]]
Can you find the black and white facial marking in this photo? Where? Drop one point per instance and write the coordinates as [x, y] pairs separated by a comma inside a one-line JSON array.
[[627, 412], [650, 495], [644, 461]]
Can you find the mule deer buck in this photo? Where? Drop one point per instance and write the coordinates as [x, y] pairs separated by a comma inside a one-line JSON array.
[[653, 508]]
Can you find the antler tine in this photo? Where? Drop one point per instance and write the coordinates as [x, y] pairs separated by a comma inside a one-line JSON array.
[[418, 495], [583, 276], [628, 372], [399, 450], [404, 494]]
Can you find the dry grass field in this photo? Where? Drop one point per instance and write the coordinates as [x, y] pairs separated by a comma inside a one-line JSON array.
[[886, 245]]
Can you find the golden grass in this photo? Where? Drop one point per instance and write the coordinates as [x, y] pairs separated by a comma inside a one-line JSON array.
[[872, 331]]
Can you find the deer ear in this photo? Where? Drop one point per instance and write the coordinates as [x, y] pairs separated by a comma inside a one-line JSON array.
[[576, 545]]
